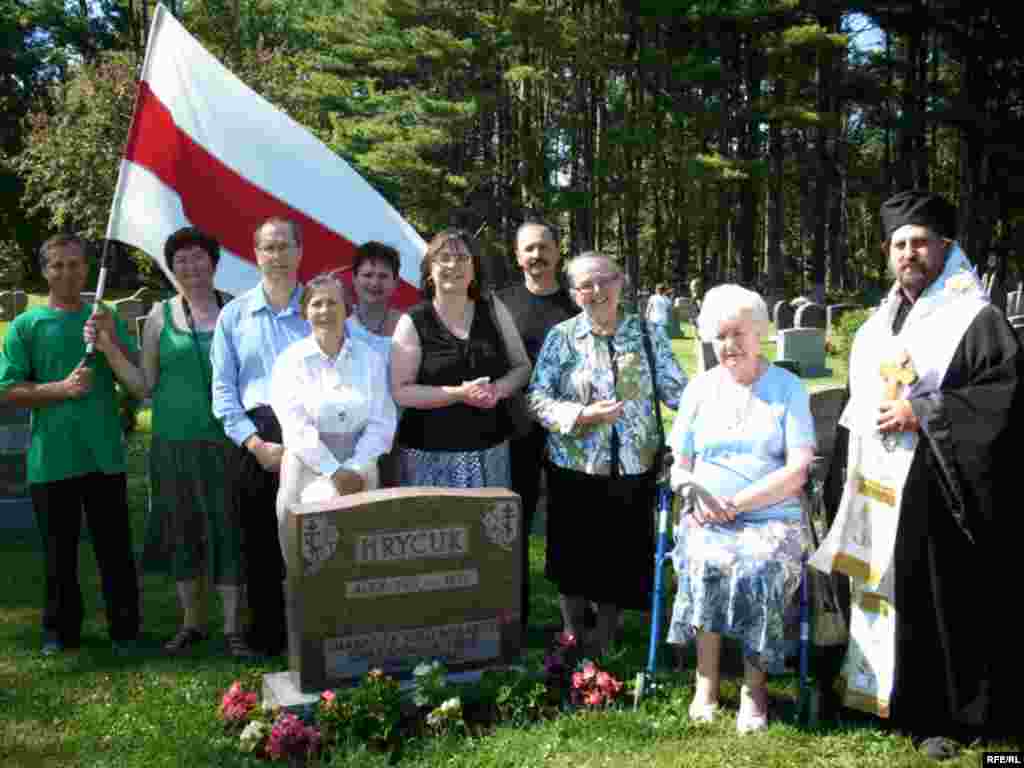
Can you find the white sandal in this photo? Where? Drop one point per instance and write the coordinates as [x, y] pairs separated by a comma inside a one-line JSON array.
[[703, 713], [746, 720]]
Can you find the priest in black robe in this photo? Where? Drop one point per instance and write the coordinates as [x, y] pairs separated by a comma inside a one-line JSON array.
[[959, 533]]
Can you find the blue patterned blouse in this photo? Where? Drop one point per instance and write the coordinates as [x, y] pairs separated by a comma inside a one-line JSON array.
[[574, 369]]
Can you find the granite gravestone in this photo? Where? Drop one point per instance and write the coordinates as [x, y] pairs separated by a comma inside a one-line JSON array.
[[806, 347], [783, 315], [1013, 303], [12, 304], [388, 578], [810, 315], [15, 434], [706, 358], [826, 407], [130, 311]]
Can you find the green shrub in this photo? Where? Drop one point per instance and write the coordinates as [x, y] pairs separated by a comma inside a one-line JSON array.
[[841, 336]]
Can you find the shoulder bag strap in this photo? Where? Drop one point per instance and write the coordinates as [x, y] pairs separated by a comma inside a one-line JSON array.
[[654, 384]]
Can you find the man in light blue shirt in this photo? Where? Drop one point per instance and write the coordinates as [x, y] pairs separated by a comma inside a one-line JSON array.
[[251, 332]]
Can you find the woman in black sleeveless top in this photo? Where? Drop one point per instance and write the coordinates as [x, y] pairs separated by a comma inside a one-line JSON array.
[[454, 358]]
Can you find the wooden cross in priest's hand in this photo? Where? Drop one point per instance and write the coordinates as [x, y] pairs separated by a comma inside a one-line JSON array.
[[895, 373]]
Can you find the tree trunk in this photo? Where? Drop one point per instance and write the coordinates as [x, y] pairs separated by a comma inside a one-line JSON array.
[[776, 204]]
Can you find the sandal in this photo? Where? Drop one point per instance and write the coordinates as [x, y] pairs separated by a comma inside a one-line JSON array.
[[185, 639], [236, 646], [703, 712], [749, 720]]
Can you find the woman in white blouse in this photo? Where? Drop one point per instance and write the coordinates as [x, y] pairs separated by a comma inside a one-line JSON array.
[[331, 395]]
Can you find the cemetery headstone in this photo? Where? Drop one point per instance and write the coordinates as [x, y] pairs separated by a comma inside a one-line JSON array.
[[1013, 303], [130, 310], [810, 315], [20, 302], [790, 365], [783, 315], [388, 578], [806, 347], [826, 406], [834, 312], [15, 433], [706, 358]]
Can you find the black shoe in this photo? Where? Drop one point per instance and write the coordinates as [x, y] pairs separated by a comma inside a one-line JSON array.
[[236, 647], [183, 641], [939, 748], [51, 644]]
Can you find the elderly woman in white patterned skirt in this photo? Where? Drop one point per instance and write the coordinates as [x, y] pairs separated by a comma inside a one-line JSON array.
[[744, 433]]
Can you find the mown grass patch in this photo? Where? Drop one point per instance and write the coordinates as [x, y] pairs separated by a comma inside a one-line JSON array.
[[93, 709]]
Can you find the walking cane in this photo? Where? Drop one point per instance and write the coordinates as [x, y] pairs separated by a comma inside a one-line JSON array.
[[646, 678]]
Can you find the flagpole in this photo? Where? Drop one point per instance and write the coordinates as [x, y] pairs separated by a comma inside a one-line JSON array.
[[101, 281]]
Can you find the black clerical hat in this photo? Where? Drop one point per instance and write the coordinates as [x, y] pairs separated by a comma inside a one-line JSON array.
[[922, 208]]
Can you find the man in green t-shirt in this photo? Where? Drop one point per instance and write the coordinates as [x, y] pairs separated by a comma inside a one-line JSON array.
[[76, 460]]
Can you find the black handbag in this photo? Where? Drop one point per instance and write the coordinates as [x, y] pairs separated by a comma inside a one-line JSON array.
[[828, 622], [663, 456]]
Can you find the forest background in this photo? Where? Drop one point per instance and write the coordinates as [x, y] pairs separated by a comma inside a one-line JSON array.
[[750, 140]]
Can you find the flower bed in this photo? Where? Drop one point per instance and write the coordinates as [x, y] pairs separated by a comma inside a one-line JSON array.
[[377, 714]]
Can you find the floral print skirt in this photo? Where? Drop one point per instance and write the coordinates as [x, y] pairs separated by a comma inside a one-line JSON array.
[[738, 580], [489, 468]]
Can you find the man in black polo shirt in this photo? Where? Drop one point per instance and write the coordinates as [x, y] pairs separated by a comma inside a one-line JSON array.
[[537, 305]]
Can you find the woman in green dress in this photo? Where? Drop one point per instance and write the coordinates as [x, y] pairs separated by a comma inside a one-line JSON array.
[[191, 524]]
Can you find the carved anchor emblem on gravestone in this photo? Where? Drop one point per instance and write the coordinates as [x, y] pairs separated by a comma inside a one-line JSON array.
[[319, 542], [501, 524]]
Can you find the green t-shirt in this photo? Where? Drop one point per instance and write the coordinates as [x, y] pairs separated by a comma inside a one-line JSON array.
[[72, 437]]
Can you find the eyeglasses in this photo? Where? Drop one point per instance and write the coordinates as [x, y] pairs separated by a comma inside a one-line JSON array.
[[449, 259], [275, 248], [587, 287]]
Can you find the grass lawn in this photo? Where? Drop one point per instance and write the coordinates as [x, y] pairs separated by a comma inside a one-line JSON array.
[[91, 708]]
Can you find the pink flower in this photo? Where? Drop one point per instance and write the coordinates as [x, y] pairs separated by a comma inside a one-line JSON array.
[[577, 680], [608, 684], [566, 639], [328, 699], [589, 671], [236, 703], [290, 736], [594, 698]]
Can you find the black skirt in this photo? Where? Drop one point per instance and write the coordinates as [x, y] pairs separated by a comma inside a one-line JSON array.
[[600, 536]]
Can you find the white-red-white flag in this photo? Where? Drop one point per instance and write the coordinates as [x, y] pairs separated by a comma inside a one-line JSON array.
[[206, 150]]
